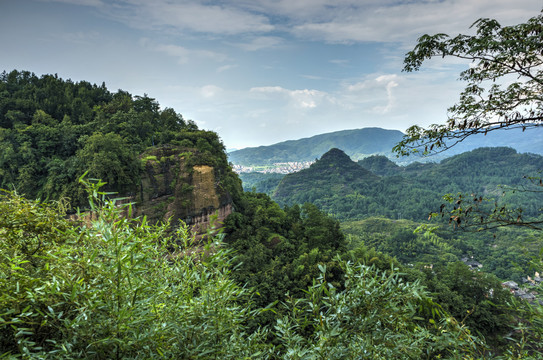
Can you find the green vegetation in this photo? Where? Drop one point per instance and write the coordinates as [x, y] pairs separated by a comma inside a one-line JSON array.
[[120, 288], [275, 282], [503, 88], [346, 190], [357, 143], [53, 130], [279, 250], [114, 288], [407, 194], [260, 182]]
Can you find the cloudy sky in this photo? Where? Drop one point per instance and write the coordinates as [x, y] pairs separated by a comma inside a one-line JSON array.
[[255, 71]]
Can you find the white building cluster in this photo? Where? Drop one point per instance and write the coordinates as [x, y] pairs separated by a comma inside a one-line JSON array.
[[278, 168]]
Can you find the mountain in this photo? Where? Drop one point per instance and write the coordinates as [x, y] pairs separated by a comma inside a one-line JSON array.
[[380, 165], [333, 174], [361, 143], [53, 130], [349, 191], [356, 143]]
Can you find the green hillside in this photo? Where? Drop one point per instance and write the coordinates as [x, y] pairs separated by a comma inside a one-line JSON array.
[[345, 189], [263, 281], [53, 130], [355, 143]]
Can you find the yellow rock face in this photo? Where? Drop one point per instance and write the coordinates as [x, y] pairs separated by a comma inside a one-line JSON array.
[[204, 193]]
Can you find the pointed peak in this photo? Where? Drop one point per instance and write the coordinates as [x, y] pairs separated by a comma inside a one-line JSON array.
[[335, 154]]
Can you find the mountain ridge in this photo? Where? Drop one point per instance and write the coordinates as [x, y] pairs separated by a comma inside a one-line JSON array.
[[361, 143], [342, 187], [354, 142]]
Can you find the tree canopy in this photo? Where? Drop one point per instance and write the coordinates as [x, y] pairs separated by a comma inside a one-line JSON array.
[[504, 82], [504, 91], [53, 130]]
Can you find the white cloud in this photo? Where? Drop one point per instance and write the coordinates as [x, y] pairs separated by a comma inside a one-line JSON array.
[[210, 91], [376, 89], [183, 54], [343, 83], [261, 42], [303, 99], [187, 15], [335, 21]]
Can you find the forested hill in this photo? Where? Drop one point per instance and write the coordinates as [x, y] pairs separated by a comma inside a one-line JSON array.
[[377, 186], [360, 143], [60, 300], [355, 143], [53, 130], [334, 173]]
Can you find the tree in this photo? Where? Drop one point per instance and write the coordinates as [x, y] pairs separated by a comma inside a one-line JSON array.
[[504, 91], [109, 157], [377, 315], [505, 82], [115, 288]]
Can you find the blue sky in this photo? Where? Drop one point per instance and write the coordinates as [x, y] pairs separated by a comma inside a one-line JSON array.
[[255, 71]]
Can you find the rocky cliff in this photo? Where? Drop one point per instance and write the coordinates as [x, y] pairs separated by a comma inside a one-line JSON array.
[[176, 186]]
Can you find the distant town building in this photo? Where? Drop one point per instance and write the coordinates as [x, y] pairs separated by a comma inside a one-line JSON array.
[[277, 168]]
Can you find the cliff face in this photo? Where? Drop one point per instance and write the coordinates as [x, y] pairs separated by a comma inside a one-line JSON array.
[[172, 187]]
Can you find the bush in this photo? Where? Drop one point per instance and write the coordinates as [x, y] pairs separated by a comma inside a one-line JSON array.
[[114, 288]]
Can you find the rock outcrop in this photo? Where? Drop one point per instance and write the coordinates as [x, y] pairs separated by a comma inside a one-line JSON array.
[[173, 188]]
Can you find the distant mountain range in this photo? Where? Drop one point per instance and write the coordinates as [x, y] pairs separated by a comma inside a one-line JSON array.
[[356, 143], [376, 186], [361, 143]]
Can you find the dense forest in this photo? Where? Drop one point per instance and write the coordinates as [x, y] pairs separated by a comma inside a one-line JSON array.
[[376, 188], [347, 263], [273, 282], [53, 130]]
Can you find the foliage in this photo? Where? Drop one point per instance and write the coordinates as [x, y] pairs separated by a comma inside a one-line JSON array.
[[344, 189], [473, 297], [53, 130], [376, 316], [399, 238], [503, 88], [279, 250], [503, 92], [260, 182], [113, 289], [120, 288]]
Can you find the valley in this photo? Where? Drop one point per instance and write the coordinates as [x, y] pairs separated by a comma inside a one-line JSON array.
[[136, 216]]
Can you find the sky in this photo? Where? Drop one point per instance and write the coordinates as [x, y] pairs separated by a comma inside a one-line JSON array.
[[257, 72]]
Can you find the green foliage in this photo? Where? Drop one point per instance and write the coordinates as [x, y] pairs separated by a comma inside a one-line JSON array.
[[503, 91], [473, 297], [399, 238], [279, 250], [376, 316], [114, 289], [108, 157], [503, 82], [53, 130], [260, 182], [344, 189]]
